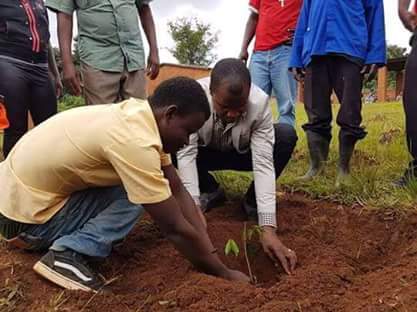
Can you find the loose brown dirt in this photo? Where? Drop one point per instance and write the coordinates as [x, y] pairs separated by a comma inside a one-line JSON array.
[[349, 260]]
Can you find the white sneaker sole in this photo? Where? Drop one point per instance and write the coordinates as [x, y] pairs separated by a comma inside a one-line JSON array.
[[59, 279]]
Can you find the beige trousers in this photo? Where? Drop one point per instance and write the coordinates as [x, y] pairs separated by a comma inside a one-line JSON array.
[[103, 87]]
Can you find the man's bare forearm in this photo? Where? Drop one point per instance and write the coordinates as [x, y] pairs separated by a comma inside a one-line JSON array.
[[190, 210], [403, 5], [184, 199], [250, 30], [148, 26], [198, 249], [65, 36], [194, 245]]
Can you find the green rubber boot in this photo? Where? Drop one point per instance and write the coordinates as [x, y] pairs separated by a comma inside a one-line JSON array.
[[346, 148], [318, 147]]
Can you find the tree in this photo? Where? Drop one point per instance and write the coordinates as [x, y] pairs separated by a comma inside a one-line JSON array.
[[394, 51], [194, 41]]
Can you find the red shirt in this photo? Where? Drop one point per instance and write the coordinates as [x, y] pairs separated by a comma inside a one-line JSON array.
[[276, 23], [415, 7]]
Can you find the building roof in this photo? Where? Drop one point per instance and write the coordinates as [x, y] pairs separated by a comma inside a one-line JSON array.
[[185, 66], [397, 64]]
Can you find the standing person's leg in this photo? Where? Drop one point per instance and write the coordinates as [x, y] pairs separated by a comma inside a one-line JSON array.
[[100, 87], [410, 110], [349, 117], [134, 85], [317, 104], [259, 70], [88, 225], [14, 86], [43, 101], [283, 84]]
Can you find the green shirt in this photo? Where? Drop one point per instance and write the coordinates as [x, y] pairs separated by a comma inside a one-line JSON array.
[[108, 32]]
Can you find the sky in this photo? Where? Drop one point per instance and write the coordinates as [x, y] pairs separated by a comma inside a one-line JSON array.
[[228, 17]]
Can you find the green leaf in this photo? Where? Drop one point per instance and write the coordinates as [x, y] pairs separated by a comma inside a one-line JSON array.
[[231, 247]]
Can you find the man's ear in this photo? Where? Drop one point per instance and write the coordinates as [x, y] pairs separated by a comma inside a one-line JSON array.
[[170, 112]]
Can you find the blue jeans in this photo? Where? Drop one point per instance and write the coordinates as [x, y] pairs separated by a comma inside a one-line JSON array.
[[90, 223], [269, 71]]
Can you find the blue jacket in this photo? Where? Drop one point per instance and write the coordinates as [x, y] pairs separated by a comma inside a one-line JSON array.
[[352, 27]]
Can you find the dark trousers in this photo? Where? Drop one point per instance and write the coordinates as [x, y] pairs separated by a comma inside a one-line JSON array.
[[25, 88], [323, 75], [209, 159], [410, 103]]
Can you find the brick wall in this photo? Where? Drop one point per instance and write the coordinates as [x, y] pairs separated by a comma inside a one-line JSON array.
[[172, 70]]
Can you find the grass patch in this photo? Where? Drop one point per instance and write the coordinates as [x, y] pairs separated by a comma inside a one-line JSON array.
[[379, 159]]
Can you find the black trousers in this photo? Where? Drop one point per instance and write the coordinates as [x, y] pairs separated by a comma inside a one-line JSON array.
[[410, 103], [25, 88], [323, 75], [209, 159]]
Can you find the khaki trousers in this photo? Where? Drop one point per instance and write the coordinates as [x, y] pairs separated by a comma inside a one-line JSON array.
[[103, 87]]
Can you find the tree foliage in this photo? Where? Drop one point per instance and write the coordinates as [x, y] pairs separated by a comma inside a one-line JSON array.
[[194, 41]]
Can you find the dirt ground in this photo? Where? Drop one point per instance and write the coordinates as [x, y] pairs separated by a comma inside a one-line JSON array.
[[349, 260]]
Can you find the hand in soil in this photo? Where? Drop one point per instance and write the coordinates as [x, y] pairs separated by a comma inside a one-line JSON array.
[[234, 275], [277, 251]]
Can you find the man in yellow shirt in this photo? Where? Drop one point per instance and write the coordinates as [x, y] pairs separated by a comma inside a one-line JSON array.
[[78, 183]]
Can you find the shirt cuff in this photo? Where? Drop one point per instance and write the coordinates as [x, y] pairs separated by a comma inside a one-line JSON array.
[[60, 6], [267, 219]]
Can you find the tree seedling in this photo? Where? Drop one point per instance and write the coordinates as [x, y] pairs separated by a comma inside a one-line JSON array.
[[232, 247]]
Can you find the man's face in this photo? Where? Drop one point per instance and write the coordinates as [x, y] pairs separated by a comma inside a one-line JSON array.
[[175, 129], [229, 107]]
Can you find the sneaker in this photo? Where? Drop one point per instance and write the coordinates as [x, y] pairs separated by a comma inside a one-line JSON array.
[[211, 200], [69, 270]]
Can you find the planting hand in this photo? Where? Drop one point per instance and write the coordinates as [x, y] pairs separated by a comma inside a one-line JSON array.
[[277, 251], [234, 275]]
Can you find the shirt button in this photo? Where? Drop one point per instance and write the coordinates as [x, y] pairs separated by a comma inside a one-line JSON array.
[[308, 28], [30, 38]]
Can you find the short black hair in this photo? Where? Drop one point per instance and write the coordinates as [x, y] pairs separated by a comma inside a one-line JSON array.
[[232, 70], [183, 92]]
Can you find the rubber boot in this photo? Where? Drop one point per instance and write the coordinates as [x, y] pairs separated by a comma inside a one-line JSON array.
[[346, 147], [318, 147], [409, 176]]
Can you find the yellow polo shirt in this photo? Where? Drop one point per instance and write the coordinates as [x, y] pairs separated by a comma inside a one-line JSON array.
[[87, 147]]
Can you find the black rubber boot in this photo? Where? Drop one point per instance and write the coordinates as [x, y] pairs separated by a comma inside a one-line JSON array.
[[318, 147], [409, 176], [346, 147]]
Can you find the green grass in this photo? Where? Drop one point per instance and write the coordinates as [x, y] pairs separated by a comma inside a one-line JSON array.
[[378, 160]]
